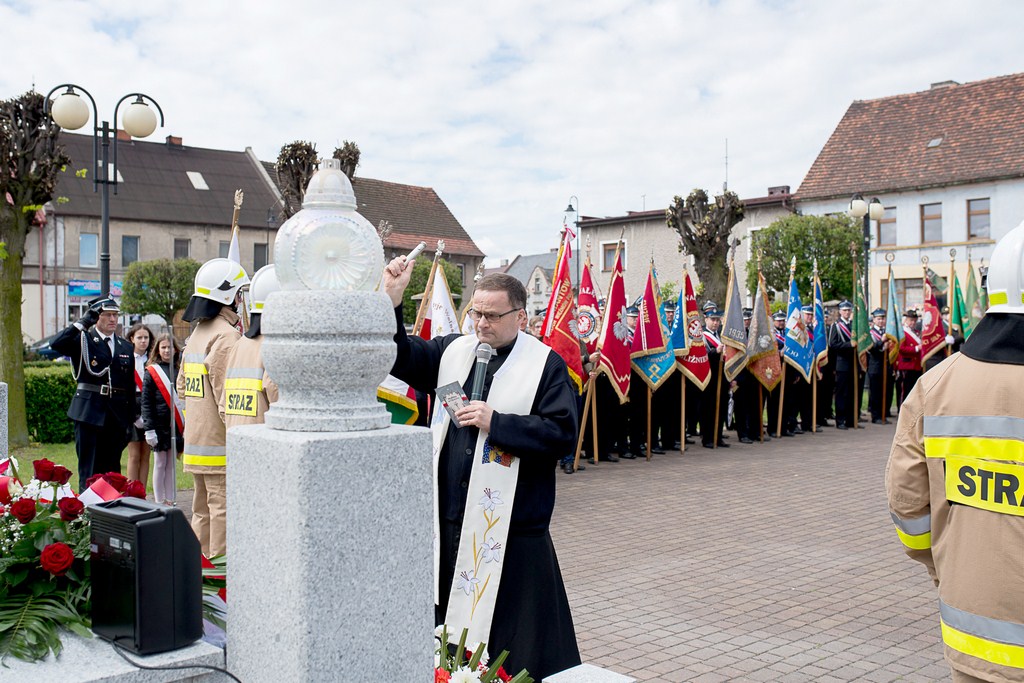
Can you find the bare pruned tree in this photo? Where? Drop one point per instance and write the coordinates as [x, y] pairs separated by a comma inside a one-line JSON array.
[[296, 164], [704, 229], [348, 155]]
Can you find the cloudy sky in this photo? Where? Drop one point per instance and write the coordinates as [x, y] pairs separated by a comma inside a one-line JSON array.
[[509, 108]]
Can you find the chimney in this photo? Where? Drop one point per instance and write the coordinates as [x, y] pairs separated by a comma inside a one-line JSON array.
[[173, 141], [777, 190], [504, 263], [943, 84]]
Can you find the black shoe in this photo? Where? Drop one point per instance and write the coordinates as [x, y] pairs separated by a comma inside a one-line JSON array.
[[611, 457], [707, 445], [626, 455], [591, 461], [722, 444], [657, 450], [689, 442], [876, 421], [580, 467], [567, 468], [767, 437], [798, 430], [744, 439], [678, 446], [841, 425]]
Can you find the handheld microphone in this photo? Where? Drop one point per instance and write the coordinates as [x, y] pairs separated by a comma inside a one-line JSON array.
[[483, 359]]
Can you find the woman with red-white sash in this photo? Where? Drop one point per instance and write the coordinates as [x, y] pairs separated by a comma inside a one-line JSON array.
[[159, 401], [141, 338]]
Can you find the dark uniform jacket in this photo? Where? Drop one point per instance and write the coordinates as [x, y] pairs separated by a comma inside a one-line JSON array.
[[96, 396], [877, 352], [839, 342]]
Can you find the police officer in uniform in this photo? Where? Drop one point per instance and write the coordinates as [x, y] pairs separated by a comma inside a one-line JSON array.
[[745, 397], [878, 369], [779, 330], [840, 340], [637, 406], [956, 475], [709, 431], [103, 408], [665, 402]]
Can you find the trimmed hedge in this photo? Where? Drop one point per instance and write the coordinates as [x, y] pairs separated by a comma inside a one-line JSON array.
[[48, 393]]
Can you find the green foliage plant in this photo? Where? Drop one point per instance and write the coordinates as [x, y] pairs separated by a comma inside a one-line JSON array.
[[48, 393], [418, 283], [159, 287]]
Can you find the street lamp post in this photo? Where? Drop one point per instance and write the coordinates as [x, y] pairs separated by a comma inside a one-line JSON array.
[[869, 212], [574, 208], [70, 112]]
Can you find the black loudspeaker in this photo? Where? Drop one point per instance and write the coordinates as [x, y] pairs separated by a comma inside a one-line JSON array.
[[146, 576]]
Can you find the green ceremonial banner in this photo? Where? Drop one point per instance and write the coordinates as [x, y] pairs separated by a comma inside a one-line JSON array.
[[973, 301], [861, 336], [960, 314]]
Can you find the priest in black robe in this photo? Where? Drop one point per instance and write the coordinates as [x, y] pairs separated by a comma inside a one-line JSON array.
[[531, 614]]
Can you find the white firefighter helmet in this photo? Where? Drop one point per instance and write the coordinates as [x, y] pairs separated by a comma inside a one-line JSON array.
[[1006, 274], [263, 283], [219, 280]]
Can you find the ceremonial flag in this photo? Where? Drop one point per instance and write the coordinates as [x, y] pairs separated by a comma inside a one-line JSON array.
[[233, 251], [734, 334], [861, 336], [762, 351], [588, 313], [799, 348], [983, 296], [973, 301], [938, 283], [400, 400], [652, 363], [467, 326], [820, 336], [559, 323], [960, 315], [693, 358], [438, 318], [893, 328], [614, 343], [933, 337], [677, 336]]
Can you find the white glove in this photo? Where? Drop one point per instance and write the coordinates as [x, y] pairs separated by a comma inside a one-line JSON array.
[[138, 422], [949, 339], [151, 437]]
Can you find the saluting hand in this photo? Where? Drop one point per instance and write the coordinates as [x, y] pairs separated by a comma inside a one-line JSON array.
[[396, 278], [476, 414]]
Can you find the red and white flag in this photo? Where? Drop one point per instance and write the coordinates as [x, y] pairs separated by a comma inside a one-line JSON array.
[[99, 492], [614, 342], [693, 361], [439, 316], [933, 336], [588, 311], [557, 330]]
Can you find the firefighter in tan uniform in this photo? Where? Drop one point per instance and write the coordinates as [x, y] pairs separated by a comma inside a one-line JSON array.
[[213, 306], [248, 390], [955, 481]]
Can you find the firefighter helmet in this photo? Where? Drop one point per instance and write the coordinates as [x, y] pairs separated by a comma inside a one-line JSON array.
[[1006, 274], [263, 283], [219, 280]]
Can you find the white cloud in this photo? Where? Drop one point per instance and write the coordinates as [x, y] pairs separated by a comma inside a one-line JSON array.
[[507, 109]]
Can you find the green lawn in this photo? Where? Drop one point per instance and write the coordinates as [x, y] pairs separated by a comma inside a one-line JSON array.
[[64, 454]]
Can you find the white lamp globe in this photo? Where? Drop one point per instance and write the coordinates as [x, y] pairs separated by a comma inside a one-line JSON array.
[[139, 120], [876, 210], [70, 111], [858, 207]]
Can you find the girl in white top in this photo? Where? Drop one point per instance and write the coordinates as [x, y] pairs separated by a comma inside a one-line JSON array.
[[138, 450]]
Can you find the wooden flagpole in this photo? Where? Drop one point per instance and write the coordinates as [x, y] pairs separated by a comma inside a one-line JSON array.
[[782, 401], [814, 397], [949, 297], [718, 398], [682, 412], [760, 411], [583, 426], [853, 339], [244, 313], [650, 392], [885, 371], [421, 313]]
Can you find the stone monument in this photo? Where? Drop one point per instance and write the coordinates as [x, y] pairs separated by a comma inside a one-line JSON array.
[[330, 550]]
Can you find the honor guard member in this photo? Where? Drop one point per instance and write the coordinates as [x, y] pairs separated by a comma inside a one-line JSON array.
[[665, 403], [103, 408], [878, 370], [840, 340], [908, 360], [745, 397], [955, 481], [204, 360], [709, 431], [805, 390], [779, 330], [248, 390], [636, 408]]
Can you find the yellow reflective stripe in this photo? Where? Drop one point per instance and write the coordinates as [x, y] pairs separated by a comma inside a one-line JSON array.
[[918, 542], [988, 650], [243, 383], [202, 290], [205, 460], [973, 447], [993, 486], [194, 369]]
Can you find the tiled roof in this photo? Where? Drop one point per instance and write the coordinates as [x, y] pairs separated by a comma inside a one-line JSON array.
[[415, 213], [156, 187], [883, 145], [522, 266]]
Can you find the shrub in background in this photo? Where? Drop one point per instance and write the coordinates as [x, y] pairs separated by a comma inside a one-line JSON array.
[[48, 393]]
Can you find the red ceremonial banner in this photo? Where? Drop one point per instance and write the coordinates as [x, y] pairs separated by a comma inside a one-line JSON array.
[[588, 312], [614, 343], [649, 335], [933, 336], [558, 333], [694, 363]]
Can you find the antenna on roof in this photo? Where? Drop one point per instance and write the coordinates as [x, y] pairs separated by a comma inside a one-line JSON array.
[[725, 185]]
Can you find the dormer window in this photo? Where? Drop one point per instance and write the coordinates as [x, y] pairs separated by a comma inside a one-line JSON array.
[[934, 142], [197, 179]]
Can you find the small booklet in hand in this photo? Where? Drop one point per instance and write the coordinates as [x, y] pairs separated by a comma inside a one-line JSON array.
[[453, 398]]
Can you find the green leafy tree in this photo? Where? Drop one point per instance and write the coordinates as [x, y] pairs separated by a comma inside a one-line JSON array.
[[30, 160], [418, 283], [825, 238], [159, 287], [669, 291], [704, 231], [296, 164]]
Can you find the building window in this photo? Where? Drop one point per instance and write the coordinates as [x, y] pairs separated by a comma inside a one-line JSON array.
[[259, 255], [197, 179], [608, 255], [978, 223], [887, 227], [909, 294], [536, 285], [462, 272], [223, 248], [129, 250], [88, 250], [931, 222], [182, 248]]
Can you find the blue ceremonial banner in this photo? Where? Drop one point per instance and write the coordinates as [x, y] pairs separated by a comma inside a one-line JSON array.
[[654, 368], [678, 339], [799, 349], [820, 340], [893, 328]]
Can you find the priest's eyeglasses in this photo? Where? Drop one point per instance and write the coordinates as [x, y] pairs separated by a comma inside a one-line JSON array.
[[491, 318]]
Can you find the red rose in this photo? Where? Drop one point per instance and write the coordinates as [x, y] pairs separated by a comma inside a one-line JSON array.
[[117, 480], [43, 469], [24, 509], [56, 558], [92, 480], [61, 474], [70, 508], [135, 489], [441, 676], [502, 675]]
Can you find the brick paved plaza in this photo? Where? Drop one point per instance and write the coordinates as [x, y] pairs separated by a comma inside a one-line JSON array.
[[770, 562]]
